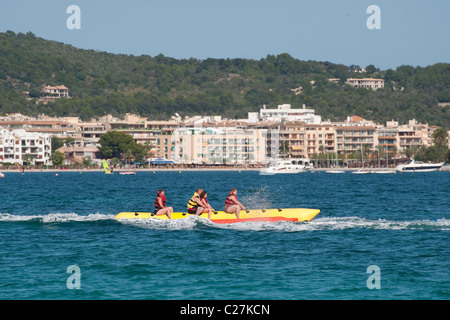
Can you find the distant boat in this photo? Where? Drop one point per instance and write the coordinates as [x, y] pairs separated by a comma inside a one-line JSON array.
[[127, 172], [383, 171], [361, 171], [336, 170], [419, 166], [287, 166], [2, 175]]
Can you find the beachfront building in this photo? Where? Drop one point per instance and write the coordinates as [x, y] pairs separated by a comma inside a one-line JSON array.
[[19, 146], [218, 145], [306, 136], [413, 136], [407, 137], [89, 132], [352, 141], [387, 141], [156, 134], [370, 83], [302, 140], [76, 152], [346, 139]]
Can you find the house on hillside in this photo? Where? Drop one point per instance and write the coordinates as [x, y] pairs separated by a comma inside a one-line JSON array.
[[57, 91], [370, 83]]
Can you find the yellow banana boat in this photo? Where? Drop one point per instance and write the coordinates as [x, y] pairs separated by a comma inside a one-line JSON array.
[[261, 215]]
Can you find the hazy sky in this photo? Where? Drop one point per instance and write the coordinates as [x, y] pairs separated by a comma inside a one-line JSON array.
[[412, 32]]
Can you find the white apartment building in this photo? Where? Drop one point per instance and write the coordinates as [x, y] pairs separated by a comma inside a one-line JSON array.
[[223, 145], [285, 113], [15, 145]]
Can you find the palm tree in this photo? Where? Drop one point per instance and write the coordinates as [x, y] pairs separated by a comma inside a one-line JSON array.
[[128, 155], [410, 152], [440, 138]]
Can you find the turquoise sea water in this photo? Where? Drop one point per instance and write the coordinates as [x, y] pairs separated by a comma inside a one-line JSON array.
[[399, 223]]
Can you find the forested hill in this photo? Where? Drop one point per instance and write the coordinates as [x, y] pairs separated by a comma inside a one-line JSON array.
[[157, 87]]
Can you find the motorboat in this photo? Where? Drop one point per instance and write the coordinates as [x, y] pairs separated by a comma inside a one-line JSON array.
[[384, 171], [127, 172], [336, 171], [287, 166], [360, 171], [419, 166]]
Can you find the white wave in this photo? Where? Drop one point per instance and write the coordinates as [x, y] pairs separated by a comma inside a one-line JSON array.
[[188, 223], [195, 223], [54, 217], [339, 223]]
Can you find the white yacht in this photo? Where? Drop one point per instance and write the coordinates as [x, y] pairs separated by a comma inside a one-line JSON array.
[[419, 166], [335, 171], [360, 171], [287, 166], [384, 171]]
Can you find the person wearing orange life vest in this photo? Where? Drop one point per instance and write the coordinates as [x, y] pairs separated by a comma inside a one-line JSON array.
[[196, 206], [160, 205], [232, 204]]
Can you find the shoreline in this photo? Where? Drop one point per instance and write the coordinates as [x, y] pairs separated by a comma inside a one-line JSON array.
[[444, 168]]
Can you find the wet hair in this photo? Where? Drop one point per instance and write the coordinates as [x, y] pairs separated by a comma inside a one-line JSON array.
[[203, 194]]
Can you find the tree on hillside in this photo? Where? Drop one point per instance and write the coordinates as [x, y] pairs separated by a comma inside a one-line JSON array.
[[103, 83]]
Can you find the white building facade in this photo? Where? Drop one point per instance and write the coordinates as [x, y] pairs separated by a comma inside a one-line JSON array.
[[19, 146], [285, 113], [223, 145]]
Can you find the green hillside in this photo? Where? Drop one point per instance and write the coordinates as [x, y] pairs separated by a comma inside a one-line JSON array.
[[157, 87]]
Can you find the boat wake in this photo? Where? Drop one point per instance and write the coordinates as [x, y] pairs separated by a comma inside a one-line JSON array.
[[55, 217], [196, 223], [340, 223], [318, 224]]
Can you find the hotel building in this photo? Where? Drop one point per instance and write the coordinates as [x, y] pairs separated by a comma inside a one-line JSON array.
[[218, 145], [301, 140], [17, 145]]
